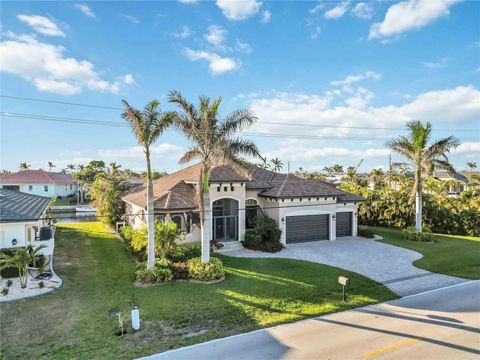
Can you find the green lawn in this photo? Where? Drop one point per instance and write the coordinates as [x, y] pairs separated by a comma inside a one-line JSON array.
[[449, 254], [73, 321]]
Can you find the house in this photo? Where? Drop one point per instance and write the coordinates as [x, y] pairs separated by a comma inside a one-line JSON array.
[[305, 209], [40, 182], [23, 221]]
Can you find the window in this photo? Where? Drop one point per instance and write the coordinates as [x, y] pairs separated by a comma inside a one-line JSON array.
[[251, 212], [177, 219], [30, 188], [45, 188], [71, 186]]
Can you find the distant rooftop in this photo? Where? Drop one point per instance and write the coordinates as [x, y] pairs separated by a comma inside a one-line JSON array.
[[16, 206], [36, 177]]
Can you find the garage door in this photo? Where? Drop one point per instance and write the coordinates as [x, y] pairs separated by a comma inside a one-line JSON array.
[[306, 228], [344, 224]]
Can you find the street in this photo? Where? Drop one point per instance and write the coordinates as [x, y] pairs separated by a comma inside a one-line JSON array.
[[439, 324]]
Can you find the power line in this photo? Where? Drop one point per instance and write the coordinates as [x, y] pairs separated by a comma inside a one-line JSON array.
[[258, 122], [249, 134]]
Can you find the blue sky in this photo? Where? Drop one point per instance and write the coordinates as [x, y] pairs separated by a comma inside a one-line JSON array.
[[342, 68]]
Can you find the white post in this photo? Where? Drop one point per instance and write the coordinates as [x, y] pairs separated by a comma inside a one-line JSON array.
[[135, 318], [206, 230], [418, 211]]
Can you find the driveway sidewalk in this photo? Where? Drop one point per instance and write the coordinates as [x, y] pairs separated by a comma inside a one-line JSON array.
[[384, 263]]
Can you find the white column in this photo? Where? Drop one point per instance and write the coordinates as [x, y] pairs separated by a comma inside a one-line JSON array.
[[206, 230], [333, 226]]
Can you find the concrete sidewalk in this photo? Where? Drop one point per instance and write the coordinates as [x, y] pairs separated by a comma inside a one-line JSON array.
[[439, 324]]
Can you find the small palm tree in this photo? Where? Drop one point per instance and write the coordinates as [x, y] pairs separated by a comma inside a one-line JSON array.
[[114, 167], [377, 176], [424, 157], [51, 165], [20, 258], [24, 166], [471, 165], [263, 164], [70, 167], [277, 164], [212, 143], [147, 125]]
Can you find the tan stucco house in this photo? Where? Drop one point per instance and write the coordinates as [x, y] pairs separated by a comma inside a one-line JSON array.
[[304, 209]]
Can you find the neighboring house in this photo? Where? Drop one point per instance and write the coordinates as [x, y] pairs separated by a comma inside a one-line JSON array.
[[23, 221], [40, 182], [456, 183], [305, 210]]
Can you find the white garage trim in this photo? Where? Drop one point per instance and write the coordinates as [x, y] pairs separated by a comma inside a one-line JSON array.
[[306, 212]]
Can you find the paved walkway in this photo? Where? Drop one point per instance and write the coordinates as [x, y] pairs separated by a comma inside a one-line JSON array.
[[384, 263], [441, 324]]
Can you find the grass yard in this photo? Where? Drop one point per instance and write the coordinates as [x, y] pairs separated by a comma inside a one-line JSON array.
[[98, 273], [449, 254]]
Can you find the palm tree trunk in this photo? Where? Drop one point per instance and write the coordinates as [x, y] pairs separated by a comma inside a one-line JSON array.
[[418, 202], [205, 216], [150, 215]]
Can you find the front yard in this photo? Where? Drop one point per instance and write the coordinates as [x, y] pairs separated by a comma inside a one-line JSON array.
[[98, 274], [449, 254]]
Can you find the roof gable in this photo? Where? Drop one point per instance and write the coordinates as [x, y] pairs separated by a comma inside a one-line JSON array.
[[36, 177]]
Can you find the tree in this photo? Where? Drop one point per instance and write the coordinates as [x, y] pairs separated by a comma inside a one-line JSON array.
[[424, 157], [471, 165], [277, 164], [147, 125], [114, 167], [20, 258], [51, 165], [377, 176], [213, 144], [70, 168], [263, 164], [107, 191], [24, 166]]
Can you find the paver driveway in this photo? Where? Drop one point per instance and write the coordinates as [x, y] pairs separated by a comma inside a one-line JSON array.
[[384, 263]]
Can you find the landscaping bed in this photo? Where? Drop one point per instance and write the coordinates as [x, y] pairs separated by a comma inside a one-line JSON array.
[[98, 275], [448, 254]]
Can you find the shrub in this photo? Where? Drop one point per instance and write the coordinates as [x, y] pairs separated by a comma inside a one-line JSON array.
[[411, 234], [265, 235], [162, 263], [9, 283], [185, 252], [41, 284], [365, 233], [205, 271], [157, 275], [5, 291], [179, 270]]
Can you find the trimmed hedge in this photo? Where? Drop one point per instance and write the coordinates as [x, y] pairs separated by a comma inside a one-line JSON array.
[[212, 270], [365, 233], [411, 234]]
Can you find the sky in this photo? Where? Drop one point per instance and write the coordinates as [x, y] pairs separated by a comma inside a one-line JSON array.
[[330, 81]]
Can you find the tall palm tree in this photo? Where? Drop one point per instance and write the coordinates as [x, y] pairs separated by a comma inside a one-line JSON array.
[[147, 125], [70, 167], [471, 165], [213, 143], [424, 157], [277, 164], [24, 166], [377, 176], [51, 165]]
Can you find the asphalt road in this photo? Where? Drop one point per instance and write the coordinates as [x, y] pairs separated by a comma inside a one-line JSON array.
[[439, 324]]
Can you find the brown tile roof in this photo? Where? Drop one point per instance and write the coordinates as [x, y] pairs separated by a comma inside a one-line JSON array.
[[176, 191], [36, 177]]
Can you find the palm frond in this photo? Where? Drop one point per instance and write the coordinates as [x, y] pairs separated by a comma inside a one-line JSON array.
[[193, 153], [237, 121]]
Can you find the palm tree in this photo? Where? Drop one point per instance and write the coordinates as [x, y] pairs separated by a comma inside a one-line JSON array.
[[213, 144], [114, 167], [424, 157], [24, 166], [51, 165], [471, 165], [263, 164], [70, 167], [147, 125], [277, 164], [377, 176], [20, 258]]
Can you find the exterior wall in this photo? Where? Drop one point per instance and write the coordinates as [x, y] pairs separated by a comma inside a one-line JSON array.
[[53, 190], [134, 215]]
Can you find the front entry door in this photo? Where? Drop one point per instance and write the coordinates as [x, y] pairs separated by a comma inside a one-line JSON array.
[[225, 228]]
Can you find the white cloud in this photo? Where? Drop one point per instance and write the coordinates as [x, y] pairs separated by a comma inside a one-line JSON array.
[[136, 152], [350, 79], [363, 10], [337, 12], [468, 148], [410, 15], [436, 64], [184, 33], [216, 36], [128, 79], [239, 9], [315, 31], [85, 10], [41, 25], [46, 66], [317, 8], [132, 19], [218, 65], [243, 47], [266, 16]]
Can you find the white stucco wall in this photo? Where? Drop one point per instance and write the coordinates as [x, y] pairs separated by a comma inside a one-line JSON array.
[[53, 190]]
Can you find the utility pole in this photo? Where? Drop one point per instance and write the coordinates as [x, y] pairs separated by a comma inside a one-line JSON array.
[[288, 167]]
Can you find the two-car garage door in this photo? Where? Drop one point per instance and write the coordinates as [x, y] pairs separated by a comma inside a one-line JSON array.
[[305, 228]]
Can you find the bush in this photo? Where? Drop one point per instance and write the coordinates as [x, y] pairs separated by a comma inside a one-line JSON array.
[[179, 270], [157, 275], [185, 252], [365, 233], [41, 284], [162, 263], [265, 235], [9, 283], [9, 272], [5, 291], [212, 270], [411, 234]]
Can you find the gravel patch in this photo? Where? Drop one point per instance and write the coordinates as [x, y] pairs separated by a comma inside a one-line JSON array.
[[15, 292]]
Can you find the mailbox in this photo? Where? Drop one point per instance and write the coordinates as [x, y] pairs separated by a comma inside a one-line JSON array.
[[343, 280]]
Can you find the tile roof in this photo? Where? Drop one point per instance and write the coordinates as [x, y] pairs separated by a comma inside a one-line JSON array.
[[36, 177], [446, 175], [16, 206], [176, 191]]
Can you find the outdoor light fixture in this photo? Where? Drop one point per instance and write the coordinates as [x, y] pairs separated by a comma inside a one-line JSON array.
[[14, 242], [333, 217]]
